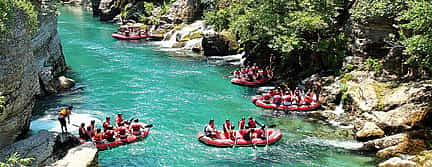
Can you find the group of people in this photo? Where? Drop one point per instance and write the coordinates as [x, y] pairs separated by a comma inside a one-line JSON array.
[[121, 129], [131, 31], [287, 97], [253, 73], [247, 131]]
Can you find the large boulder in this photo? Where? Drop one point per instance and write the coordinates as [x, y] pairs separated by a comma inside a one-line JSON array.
[[46, 147], [108, 9], [369, 131], [219, 44], [410, 143], [185, 11], [388, 141], [424, 158], [406, 117], [397, 162], [84, 155], [65, 83]]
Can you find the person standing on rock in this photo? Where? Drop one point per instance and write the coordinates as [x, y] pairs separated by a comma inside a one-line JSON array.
[[62, 115]]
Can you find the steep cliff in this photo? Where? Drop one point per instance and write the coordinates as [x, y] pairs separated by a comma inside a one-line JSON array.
[[30, 66]]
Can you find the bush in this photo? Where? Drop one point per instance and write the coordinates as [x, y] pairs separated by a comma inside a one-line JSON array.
[[301, 28], [8, 10], [372, 64], [416, 34], [15, 160]]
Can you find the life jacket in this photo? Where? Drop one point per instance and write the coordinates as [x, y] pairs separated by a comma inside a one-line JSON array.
[[98, 137], [226, 126], [267, 96], [287, 98], [136, 126], [118, 120], [63, 113], [122, 130], [252, 123], [109, 134], [105, 125], [241, 124], [82, 132]]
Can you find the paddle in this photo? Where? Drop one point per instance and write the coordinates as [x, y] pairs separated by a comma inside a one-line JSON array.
[[75, 125], [253, 144], [267, 139], [235, 139], [148, 126]]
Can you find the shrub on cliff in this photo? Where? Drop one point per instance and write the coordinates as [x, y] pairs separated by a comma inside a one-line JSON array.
[[414, 26], [15, 160], [8, 13]]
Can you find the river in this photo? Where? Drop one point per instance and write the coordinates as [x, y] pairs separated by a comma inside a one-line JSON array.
[[178, 95]]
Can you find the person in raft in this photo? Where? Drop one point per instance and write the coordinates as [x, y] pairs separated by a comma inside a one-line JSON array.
[[62, 115], [92, 127], [109, 134], [119, 119], [135, 127], [98, 136], [252, 123], [122, 131], [106, 124], [210, 129], [83, 134], [241, 124], [228, 129]]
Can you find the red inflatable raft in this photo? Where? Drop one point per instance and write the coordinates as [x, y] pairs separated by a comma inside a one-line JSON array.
[[134, 37], [257, 100], [274, 135], [118, 142], [242, 82]]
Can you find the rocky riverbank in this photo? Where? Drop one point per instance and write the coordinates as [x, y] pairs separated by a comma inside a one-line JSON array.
[[53, 149], [31, 66]]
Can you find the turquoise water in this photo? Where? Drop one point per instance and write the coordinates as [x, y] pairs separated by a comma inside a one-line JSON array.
[[178, 95]]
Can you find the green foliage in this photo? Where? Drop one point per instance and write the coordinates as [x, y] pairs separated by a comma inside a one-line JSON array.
[[218, 18], [344, 88], [165, 7], [8, 10], [284, 27], [148, 8], [416, 35], [124, 14], [15, 160], [349, 68], [378, 8], [372, 64]]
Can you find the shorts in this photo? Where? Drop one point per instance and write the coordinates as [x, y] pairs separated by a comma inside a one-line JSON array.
[[62, 121]]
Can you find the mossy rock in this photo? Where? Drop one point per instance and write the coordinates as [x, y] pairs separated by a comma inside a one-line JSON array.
[[193, 35], [179, 45]]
